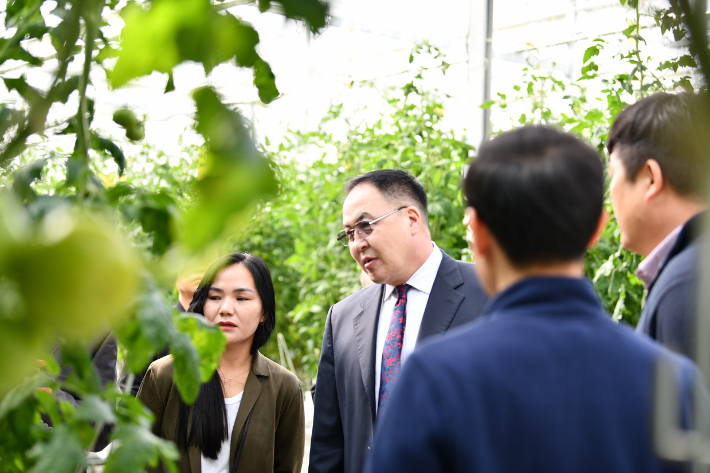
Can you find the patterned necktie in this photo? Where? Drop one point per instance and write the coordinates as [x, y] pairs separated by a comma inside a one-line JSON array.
[[392, 352]]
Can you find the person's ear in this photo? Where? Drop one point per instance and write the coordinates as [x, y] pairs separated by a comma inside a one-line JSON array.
[[599, 230], [415, 219], [652, 171], [481, 235]]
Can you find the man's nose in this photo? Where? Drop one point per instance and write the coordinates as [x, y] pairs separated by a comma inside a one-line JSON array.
[[360, 242]]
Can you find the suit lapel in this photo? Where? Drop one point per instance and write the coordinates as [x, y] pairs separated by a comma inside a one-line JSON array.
[[195, 458], [252, 389], [443, 301], [365, 328]]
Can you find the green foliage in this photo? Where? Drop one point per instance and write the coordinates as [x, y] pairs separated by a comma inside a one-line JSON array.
[[295, 233], [549, 98], [92, 237], [228, 157]]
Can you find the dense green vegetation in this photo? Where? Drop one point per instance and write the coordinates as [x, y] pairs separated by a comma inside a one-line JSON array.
[[91, 238], [96, 229]]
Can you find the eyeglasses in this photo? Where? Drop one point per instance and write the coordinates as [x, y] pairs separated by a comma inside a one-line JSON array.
[[362, 228]]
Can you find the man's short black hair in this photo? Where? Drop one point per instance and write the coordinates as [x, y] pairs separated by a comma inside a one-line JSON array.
[[540, 191], [668, 128], [394, 184]]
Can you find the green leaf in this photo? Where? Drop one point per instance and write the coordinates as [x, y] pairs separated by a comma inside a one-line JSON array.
[[61, 91], [687, 61], [29, 93], [591, 67], [121, 189], [62, 454], [168, 33], [207, 339], [107, 52], [157, 214], [629, 31], [589, 53], [149, 331], [264, 80], [224, 194], [19, 393], [108, 146], [170, 85], [137, 447], [25, 177], [15, 51], [187, 368], [314, 12], [94, 409], [9, 117]]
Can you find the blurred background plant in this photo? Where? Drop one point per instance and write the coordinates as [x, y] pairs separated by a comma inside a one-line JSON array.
[[93, 235]]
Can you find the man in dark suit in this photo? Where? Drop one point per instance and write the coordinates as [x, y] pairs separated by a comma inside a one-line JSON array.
[[544, 380], [655, 163], [419, 293]]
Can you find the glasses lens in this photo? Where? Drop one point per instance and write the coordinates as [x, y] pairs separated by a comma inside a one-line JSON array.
[[363, 228], [343, 237]]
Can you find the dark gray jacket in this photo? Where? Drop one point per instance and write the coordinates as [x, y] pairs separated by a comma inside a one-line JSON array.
[[344, 412], [668, 315]]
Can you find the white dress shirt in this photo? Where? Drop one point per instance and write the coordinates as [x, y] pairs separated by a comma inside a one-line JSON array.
[[421, 283]]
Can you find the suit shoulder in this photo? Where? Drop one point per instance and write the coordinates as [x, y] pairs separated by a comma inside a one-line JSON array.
[[281, 375], [677, 279], [162, 368], [684, 263]]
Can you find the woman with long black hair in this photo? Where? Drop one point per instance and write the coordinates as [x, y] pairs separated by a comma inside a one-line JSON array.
[[249, 416]]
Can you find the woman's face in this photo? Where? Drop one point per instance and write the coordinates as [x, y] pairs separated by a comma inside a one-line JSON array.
[[234, 305]]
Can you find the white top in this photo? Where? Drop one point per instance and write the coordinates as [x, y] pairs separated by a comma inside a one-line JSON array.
[[221, 464], [421, 283]]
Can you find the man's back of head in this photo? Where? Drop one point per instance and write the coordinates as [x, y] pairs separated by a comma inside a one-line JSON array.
[[539, 193]]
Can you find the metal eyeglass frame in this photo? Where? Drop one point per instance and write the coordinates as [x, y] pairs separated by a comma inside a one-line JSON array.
[[362, 228]]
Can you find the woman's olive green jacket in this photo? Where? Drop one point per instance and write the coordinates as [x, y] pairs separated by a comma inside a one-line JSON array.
[[275, 438]]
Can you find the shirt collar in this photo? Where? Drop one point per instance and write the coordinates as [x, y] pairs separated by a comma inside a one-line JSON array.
[[648, 268], [423, 278], [547, 295]]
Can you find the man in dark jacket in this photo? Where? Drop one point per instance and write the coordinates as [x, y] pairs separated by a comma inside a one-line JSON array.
[[544, 380], [655, 160]]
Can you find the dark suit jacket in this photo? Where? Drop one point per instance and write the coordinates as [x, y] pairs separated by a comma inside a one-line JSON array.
[[545, 382], [344, 412], [669, 312], [275, 439]]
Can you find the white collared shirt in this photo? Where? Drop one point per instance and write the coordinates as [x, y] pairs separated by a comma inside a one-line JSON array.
[[421, 283]]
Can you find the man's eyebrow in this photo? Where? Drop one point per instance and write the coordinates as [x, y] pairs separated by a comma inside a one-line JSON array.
[[361, 217]]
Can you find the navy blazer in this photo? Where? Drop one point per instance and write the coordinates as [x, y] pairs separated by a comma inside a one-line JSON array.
[[344, 411], [544, 382], [669, 311]]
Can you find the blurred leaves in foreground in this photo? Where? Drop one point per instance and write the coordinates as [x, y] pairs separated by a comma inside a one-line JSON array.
[[92, 237]]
